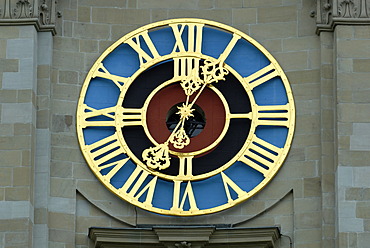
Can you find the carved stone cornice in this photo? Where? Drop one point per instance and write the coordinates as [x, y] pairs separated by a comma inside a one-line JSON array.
[[341, 12], [40, 13], [184, 237]]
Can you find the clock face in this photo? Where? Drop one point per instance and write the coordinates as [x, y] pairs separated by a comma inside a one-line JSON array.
[[185, 117]]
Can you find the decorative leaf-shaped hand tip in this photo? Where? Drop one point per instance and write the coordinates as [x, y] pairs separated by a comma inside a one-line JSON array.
[[214, 71], [192, 83], [180, 139], [157, 157]]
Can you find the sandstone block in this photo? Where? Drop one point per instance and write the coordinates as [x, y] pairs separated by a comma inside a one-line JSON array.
[[9, 65], [308, 220], [62, 187], [84, 14], [61, 169], [353, 48], [220, 15], [277, 14], [98, 3], [68, 60], [312, 187], [61, 221], [17, 194], [91, 31], [361, 65], [273, 30], [62, 236], [261, 3], [301, 44], [67, 92], [9, 32], [66, 44], [107, 15], [293, 61], [154, 4], [361, 32], [344, 32], [88, 46], [206, 4], [22, 176], [244, 16], [349, 112], [68, 77]]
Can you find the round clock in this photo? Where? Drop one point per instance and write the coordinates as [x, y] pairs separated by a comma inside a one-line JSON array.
[[185, 117]]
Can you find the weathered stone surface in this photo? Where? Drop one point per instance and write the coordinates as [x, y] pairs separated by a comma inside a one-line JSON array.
[[91, 31], [244, 16], [329, 75], [273, 30], [277, 14]]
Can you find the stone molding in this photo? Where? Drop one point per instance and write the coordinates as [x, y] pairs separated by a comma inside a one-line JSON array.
[[184, 236], [341, 12], [40, 13]]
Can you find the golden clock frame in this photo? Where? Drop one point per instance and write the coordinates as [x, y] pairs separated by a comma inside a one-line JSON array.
[[141, 169]]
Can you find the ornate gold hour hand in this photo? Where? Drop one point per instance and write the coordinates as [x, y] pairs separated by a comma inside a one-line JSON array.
[[158, 157], [179, 138]]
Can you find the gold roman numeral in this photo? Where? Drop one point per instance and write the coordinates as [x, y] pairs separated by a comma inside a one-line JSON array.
[[131, 116], [273, 115], [240, 116], [185, 67], [89, 112], [185, 167], [228, 183], [195, 34], [188, 195], [101, 71], [136, 181], [229, 48], [99, 150], [261, 76], [144, 57], [117, 166], [261, 155], [125, 117]]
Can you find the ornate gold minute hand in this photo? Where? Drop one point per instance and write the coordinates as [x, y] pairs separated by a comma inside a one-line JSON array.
[[158, 156], [212, 73], [190, 85]]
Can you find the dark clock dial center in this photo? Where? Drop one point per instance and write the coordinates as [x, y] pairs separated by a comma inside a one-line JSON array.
[[193, 125], [161, 117]]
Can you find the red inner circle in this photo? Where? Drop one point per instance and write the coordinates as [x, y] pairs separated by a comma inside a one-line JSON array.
[[169, 96]]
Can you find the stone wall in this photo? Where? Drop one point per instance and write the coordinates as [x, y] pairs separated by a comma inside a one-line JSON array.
[[18, 60], [50, 198], [353, 115]]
